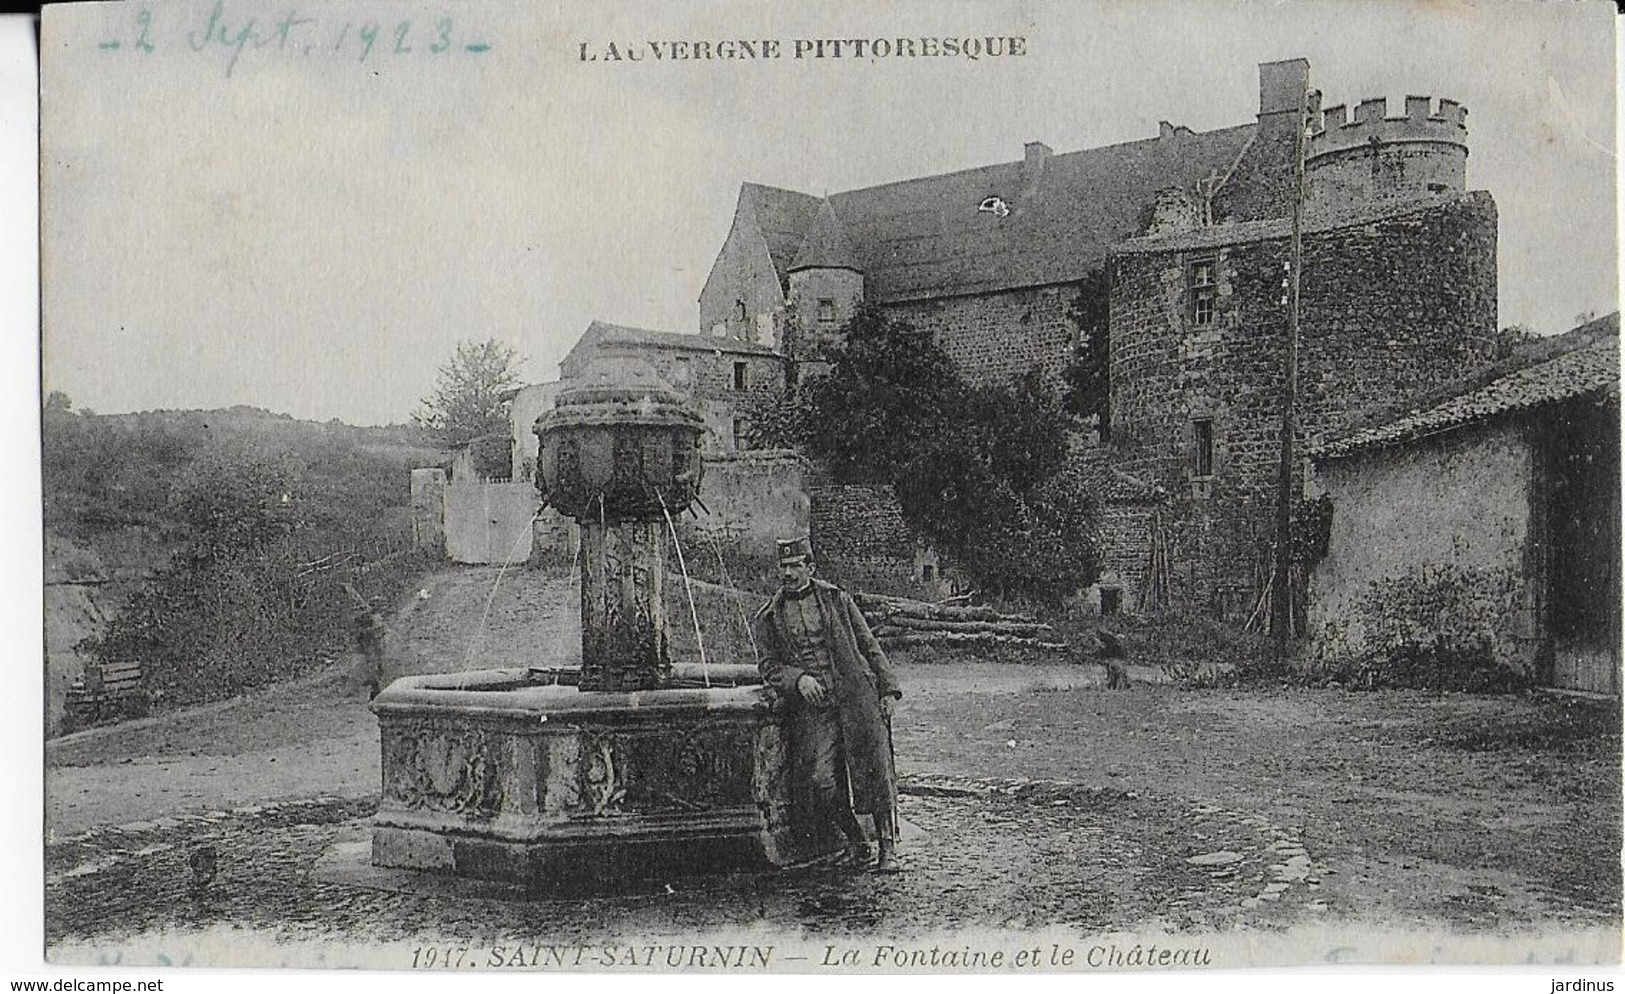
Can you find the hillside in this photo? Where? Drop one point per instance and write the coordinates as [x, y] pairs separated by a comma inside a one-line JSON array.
[[172, 508]]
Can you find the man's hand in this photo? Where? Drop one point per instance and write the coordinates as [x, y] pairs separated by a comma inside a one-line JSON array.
[[888, 707], [812, 691]]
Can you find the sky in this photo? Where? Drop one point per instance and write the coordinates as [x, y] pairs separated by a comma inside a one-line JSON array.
[[311, 226]]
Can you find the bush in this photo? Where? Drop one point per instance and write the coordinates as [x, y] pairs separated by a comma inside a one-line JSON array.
[[1443, 663], [258, 592]]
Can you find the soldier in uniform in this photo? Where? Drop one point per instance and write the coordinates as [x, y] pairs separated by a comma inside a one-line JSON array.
[[818, 652]]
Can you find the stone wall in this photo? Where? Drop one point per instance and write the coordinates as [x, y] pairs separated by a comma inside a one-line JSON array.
[[1395, 307], [743, 272], [751, 501], [1386, 171], [862, 542], [429, 510], [1126, 531], [1431, 540], [992, 337], [1390, 308]]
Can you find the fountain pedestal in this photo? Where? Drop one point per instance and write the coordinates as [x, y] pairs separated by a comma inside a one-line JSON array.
[[623, 613], [642, 768]]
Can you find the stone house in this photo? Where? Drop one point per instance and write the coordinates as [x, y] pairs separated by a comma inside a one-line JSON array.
[[723, 376], [1484, 518], [525, 405], [1178, 243]]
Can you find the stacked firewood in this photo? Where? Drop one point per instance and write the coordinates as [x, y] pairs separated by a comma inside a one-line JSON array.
[[898, 621]]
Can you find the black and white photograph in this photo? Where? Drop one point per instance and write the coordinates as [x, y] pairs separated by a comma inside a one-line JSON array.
[[986, 486]]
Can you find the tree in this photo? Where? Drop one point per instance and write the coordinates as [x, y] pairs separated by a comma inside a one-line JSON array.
[[977, 468], [991, 492], [57, 402], [1087, 377], [468, 400], [889, 386]]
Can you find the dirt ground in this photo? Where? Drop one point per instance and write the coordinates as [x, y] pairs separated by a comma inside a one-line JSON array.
[[1450, 811]]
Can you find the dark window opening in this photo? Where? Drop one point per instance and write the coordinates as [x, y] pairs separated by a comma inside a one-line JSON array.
[[1204, 290], [1111, 600], [928, 572], [739, 306], [739, 376], [741, 441], [826, 310], [1202, 461]]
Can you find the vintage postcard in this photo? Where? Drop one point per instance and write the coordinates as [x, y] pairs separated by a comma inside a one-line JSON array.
[[988, 486]]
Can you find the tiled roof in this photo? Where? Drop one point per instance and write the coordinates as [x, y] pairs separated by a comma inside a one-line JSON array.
[[1591, 367], [926, 238], [783, 217], [603, 333], [826, 245]]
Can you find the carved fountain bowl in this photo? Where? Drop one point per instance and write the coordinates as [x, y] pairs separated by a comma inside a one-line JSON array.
[[493, 775], [619, 444]]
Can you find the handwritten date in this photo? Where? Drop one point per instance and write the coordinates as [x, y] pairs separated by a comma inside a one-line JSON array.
[[222, 34]]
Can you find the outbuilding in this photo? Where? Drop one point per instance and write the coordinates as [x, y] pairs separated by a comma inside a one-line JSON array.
[[1484, 519]]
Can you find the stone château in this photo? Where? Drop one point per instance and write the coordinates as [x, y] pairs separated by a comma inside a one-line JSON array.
[[1179, 242]]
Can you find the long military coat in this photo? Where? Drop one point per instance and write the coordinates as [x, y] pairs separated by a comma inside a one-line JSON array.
[[861, 674]]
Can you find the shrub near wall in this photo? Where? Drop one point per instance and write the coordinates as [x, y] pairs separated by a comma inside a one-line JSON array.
[[1438, 628]]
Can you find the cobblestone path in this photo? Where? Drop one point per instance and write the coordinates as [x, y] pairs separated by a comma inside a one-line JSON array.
[[1017, 854]]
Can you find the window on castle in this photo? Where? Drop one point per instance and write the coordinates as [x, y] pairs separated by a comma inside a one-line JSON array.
[[826, 310], [1202, 451], [741, 438], [739, 310], [1203, 290], [739, 376]]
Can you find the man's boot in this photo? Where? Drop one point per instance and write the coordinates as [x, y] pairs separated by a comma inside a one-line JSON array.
[[859, 854], [886, 862]]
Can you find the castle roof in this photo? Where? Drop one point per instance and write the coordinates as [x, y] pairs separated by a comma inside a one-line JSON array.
[[826, 245], [601, 333], [783, 217], [1049, 218], [1584, 362]]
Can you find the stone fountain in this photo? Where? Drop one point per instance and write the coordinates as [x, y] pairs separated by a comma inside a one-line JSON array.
[[634, 766]]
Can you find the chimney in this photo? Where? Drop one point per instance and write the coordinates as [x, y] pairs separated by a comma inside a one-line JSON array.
[[1280, 86], [1033, 165]]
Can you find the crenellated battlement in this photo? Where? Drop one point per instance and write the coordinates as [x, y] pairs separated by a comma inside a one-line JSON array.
[[1425, 121]]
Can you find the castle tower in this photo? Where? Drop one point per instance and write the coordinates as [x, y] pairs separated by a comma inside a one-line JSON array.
[[826, 288], [1376, 157]]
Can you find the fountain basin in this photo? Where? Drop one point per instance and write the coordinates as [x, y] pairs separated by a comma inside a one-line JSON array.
[[505, 775]]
